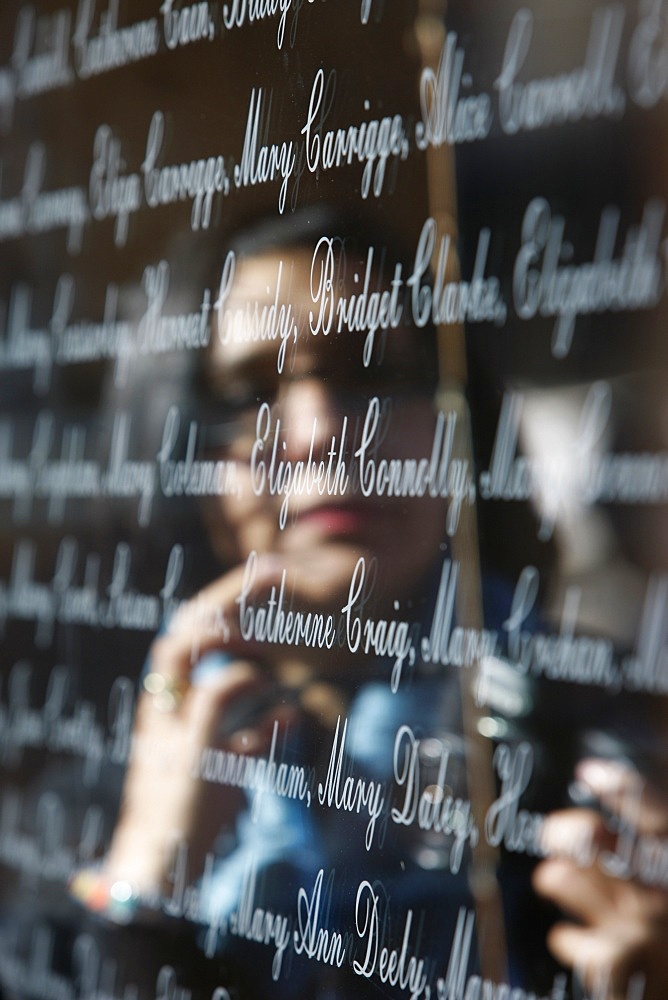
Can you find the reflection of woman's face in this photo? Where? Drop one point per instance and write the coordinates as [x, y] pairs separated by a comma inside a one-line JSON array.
[[317, 407]]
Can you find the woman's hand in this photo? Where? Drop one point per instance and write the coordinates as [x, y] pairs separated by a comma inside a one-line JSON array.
[[185, 711], [165, 803], [616, 937]]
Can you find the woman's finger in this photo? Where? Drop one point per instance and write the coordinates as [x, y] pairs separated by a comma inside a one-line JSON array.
[[622, 790], [584, 893], [608, 967]]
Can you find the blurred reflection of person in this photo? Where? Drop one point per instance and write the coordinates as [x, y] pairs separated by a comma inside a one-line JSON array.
[[213, 684], [206, 673]]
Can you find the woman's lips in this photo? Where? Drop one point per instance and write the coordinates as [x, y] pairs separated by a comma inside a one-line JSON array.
[[339, 518]]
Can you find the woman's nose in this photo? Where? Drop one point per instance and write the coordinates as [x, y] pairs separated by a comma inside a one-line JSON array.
[[308, 418]]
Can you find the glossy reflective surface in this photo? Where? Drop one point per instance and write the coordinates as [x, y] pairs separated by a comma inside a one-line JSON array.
[[333, 481]]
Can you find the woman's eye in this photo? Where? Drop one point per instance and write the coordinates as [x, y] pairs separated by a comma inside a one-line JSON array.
[[244, 396], [240, 400]]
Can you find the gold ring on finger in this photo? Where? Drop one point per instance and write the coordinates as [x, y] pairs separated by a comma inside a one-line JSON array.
[[166, 691]]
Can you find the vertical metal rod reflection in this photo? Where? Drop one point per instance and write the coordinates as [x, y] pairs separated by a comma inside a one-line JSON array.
[[430, 33]]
